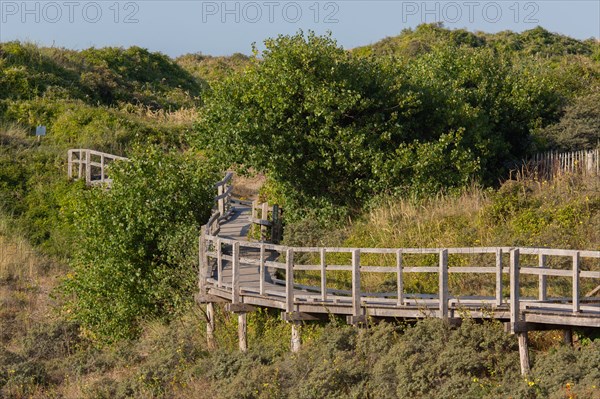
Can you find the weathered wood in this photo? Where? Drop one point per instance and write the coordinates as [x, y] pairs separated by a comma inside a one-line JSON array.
[[576, 260], [202, 262], [323, 255], [219, 249], [568, 337], [235, 294], [296, 340], [264, 214], [514, 286], [443, 284], [243, 332], [262, 270], [239, 308], [289, 280], [542, 283], [523, 353], [499, 277], [210, 326], [356, 307], [298, 316], [399, 278]]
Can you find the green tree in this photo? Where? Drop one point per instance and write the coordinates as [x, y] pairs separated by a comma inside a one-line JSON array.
[[137, 254]]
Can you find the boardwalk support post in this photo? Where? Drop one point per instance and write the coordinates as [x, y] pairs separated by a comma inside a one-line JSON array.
[[210, 326], [243, 332], [568, 337], [296, 341], [523, 352]]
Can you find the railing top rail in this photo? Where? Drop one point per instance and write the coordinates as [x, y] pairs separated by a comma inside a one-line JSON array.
[[423, 251], [225, 180], [94, 152]]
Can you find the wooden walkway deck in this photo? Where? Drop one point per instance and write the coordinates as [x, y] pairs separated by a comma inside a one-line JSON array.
[[248, 274], [310, 283]]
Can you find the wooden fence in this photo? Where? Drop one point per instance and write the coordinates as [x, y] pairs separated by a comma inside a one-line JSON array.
[[90, 165], [548, 165]]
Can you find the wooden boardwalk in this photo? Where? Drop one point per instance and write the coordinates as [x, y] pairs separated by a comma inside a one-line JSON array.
[[527, 288]]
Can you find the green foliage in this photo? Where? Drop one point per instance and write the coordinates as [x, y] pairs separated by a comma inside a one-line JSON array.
[[137, 252], [107, 75], [579, 127], [332, 129]]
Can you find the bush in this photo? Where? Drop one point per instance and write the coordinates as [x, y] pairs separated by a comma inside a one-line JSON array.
[[137, 256]]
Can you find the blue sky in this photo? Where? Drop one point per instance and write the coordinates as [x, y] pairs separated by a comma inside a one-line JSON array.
[[225, 27]]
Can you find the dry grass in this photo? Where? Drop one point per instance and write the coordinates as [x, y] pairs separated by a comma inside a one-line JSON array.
[[248, 187]]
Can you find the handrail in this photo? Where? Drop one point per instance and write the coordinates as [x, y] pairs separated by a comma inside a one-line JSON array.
[[84, 158], [359, 298]]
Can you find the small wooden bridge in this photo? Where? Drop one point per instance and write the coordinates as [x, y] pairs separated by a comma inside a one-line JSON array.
[[525, 287]]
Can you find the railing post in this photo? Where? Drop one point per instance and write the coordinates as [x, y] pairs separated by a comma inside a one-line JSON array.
[[261, 287], [443, 284], [219, 263], [264, 214], [576, 265], [542, 278], [202, 262], [356, 308], [514, 288], [289, 280], [102, 168], [88, 165], [70, 163], [499, 276], [399, 278], [80, 168], [323, 275], [220, 201], [235, 276]]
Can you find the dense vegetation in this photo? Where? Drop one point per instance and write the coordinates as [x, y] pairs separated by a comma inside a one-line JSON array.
[[400, 143], [333, 128]]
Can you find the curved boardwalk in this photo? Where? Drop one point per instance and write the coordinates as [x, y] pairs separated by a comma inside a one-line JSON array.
[[528, 288]]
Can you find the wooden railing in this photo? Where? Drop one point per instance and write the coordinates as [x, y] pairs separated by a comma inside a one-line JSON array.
[[443, 301], [268, 221], [90, 165]]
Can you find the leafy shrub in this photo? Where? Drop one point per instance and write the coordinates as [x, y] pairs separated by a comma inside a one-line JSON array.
[[137, 254]]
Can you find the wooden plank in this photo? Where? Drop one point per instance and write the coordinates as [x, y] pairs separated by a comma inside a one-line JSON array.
[[202, 262], [219, 249], [523, 353], [243, 332], [576, 266], [296, 337], [210, 326], [323, 254], [262, 270], [542, 283], [356, 308], [514, 286], [443, 283], [499, 276], [235, 293], [399, 279], [239, 308], [289, 280]]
